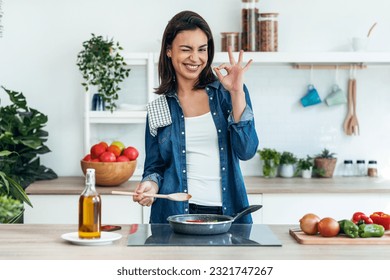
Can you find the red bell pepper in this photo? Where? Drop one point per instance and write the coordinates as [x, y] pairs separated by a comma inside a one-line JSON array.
[[381, 218], [361, 218]]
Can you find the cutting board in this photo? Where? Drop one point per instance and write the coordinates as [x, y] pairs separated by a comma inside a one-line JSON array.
[[303, 238]]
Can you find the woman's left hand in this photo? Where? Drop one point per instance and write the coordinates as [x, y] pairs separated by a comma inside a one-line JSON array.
[[233, 80]]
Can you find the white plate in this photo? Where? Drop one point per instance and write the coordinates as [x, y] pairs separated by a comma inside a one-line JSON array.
[[105, 238]]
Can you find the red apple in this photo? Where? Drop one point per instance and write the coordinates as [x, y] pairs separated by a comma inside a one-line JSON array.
[[122, 159], [87, 158], [95, 160], [97, 150], [131, 153], [104, 144], [107, 157], [114, 149]]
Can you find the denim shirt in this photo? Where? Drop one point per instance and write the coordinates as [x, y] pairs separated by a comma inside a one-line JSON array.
[[165, 161]]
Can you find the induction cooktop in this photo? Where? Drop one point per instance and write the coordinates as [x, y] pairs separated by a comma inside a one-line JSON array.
[[238, 235]]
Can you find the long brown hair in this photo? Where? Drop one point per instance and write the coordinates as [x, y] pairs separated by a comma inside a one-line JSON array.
[[185, 20]]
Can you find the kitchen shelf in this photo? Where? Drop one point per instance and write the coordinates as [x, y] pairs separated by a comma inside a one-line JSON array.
[[277, 58], [117, 117]]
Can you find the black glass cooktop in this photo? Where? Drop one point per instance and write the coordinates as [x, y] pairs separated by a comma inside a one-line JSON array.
[[238, 235]]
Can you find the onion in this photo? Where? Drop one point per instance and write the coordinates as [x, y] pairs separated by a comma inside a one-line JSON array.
[[328, 227], [308, 223]]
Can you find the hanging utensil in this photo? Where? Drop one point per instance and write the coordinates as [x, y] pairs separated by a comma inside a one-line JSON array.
[[172, 196], [354, 123], [346, 126]]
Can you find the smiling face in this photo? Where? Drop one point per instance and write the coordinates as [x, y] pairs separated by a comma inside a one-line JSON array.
[[189, 54]]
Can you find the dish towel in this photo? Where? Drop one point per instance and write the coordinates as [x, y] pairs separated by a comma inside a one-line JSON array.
[[159, 114]]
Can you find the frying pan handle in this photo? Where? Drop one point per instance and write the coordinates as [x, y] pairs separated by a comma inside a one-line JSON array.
[[247, 210]]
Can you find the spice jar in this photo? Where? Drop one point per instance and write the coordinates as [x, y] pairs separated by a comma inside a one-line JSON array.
[[249, 34], [372, 170], [348, 168], [268, 32], [229, 39], [361, 168]]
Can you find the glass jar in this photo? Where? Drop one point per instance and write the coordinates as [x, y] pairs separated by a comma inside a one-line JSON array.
[[348, 168], [372, 170], [249, 34], [229, 39], [268, 32], [361, 168]]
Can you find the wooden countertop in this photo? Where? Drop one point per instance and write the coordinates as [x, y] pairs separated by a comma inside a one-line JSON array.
[[254, 185], [44, 242]]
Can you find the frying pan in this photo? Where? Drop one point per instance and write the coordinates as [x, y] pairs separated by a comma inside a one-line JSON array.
[[206, 224]]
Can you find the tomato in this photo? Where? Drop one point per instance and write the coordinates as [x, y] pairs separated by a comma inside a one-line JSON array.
[[309, 223], [328, 227], [107, 157], [131, 153]]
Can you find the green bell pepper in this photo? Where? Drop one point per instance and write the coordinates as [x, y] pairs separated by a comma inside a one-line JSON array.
[[349, 228], [371, 230]]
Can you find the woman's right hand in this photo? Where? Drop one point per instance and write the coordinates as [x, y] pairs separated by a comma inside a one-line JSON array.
[[149, 187]]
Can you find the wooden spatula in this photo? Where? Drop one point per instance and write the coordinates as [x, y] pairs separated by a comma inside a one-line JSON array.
[[172, 196], [346, 126]]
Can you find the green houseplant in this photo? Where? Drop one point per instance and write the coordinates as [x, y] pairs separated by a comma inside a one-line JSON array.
[[271, 160], [287, 162], [22, 141], [102, 66], [11, 210], [305, 167], [325, 163]]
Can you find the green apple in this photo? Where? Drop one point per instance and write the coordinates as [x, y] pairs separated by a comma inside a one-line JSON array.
[[119, 144]]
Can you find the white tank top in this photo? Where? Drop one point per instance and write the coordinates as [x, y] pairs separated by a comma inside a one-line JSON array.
[[203, 166]]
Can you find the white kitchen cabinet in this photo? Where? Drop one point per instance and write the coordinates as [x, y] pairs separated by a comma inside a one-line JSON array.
[[288, 208], [63, 209]]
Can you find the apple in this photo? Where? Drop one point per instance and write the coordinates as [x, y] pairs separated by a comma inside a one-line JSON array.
[[95, 160], [131, 153], [122, 159], [87, 158], [97, 150], [104, 144], [107, 157], [114, 149], [119, 144]]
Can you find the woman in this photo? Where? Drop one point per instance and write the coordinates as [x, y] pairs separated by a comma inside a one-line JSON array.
[[198, 129]]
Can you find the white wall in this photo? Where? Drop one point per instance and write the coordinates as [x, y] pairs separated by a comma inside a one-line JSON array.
[[41, 40]]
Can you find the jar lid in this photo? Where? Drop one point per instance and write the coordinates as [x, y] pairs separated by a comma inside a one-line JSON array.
[[360, 161], [268, 14], [372, 161], [230, 33], [348, 161]]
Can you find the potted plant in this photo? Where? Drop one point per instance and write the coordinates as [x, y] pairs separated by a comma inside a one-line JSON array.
[[102, 66], [271, 160], [305, 167], [11, 210], [22, 141], [325, 164], [287, 162]]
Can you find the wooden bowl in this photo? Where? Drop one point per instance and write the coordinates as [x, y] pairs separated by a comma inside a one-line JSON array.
[[110, 174]]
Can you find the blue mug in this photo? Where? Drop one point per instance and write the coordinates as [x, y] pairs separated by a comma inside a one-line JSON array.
[[311, 98]]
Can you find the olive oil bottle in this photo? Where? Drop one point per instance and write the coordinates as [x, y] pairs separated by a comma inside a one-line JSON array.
[[89, 208]]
